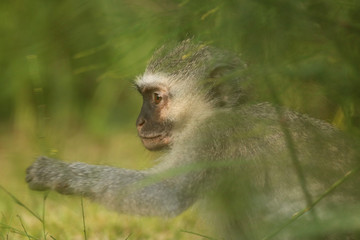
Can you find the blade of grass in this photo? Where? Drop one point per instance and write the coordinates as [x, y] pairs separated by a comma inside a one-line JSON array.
[[198, 234], [43, 216], [291, 146], [22, 224], [17, 231], [83, 217], [17, 201]]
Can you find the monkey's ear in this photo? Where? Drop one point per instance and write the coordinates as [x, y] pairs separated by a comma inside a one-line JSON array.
[[226, 87], [220, 71]]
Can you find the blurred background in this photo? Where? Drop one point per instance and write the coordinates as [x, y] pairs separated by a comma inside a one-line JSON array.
[[66, 69]]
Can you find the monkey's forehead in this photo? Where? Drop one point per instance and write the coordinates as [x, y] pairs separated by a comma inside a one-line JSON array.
[[172, 85], [152, 81]]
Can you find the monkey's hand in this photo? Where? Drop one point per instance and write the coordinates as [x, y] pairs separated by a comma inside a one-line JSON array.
[[46, 173]]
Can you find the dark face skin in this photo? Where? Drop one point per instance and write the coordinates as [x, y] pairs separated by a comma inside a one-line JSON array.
[[152, 125]]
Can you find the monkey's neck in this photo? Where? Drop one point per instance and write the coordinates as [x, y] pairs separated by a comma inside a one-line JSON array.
[[185, 131]]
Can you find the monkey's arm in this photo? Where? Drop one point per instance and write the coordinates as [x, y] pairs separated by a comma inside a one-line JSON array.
[[128, 191]]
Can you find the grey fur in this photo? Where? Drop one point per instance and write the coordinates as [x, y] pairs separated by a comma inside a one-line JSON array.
[[209, 67], [238, 158]]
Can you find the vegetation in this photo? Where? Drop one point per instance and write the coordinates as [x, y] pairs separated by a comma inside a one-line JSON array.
[[66, 72]]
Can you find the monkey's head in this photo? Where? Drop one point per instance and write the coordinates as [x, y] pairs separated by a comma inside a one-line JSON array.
[[181, 85]]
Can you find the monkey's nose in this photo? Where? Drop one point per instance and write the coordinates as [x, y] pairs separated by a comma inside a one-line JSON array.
[[140, 122]]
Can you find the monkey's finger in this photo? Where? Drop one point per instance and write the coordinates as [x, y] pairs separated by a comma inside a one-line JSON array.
[[28, 178], [34, 185], [33, 181], [28, 170]]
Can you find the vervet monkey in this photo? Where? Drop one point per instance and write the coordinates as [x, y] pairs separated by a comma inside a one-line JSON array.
[[254, 164]]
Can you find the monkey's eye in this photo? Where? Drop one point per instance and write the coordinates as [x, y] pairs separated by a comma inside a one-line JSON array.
[[157, 98]]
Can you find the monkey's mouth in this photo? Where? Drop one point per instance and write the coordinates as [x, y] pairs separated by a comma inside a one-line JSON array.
[[155, 142], [150, 137]]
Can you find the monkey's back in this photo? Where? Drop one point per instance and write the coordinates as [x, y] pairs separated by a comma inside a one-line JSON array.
[[268, 163]]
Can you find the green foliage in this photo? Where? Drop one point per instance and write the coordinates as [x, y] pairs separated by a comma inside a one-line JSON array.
[[80, 56]]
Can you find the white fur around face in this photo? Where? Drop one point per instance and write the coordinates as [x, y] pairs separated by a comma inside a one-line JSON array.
[[157, 79], [185, 102]]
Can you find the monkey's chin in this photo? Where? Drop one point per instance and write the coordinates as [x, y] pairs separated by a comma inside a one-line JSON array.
[[156, 143]]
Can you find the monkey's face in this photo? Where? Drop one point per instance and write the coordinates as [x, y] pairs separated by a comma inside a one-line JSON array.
[[154, 127]]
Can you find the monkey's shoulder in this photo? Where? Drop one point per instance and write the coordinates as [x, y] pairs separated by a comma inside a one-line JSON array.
[[264, 118], [263, 127]]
